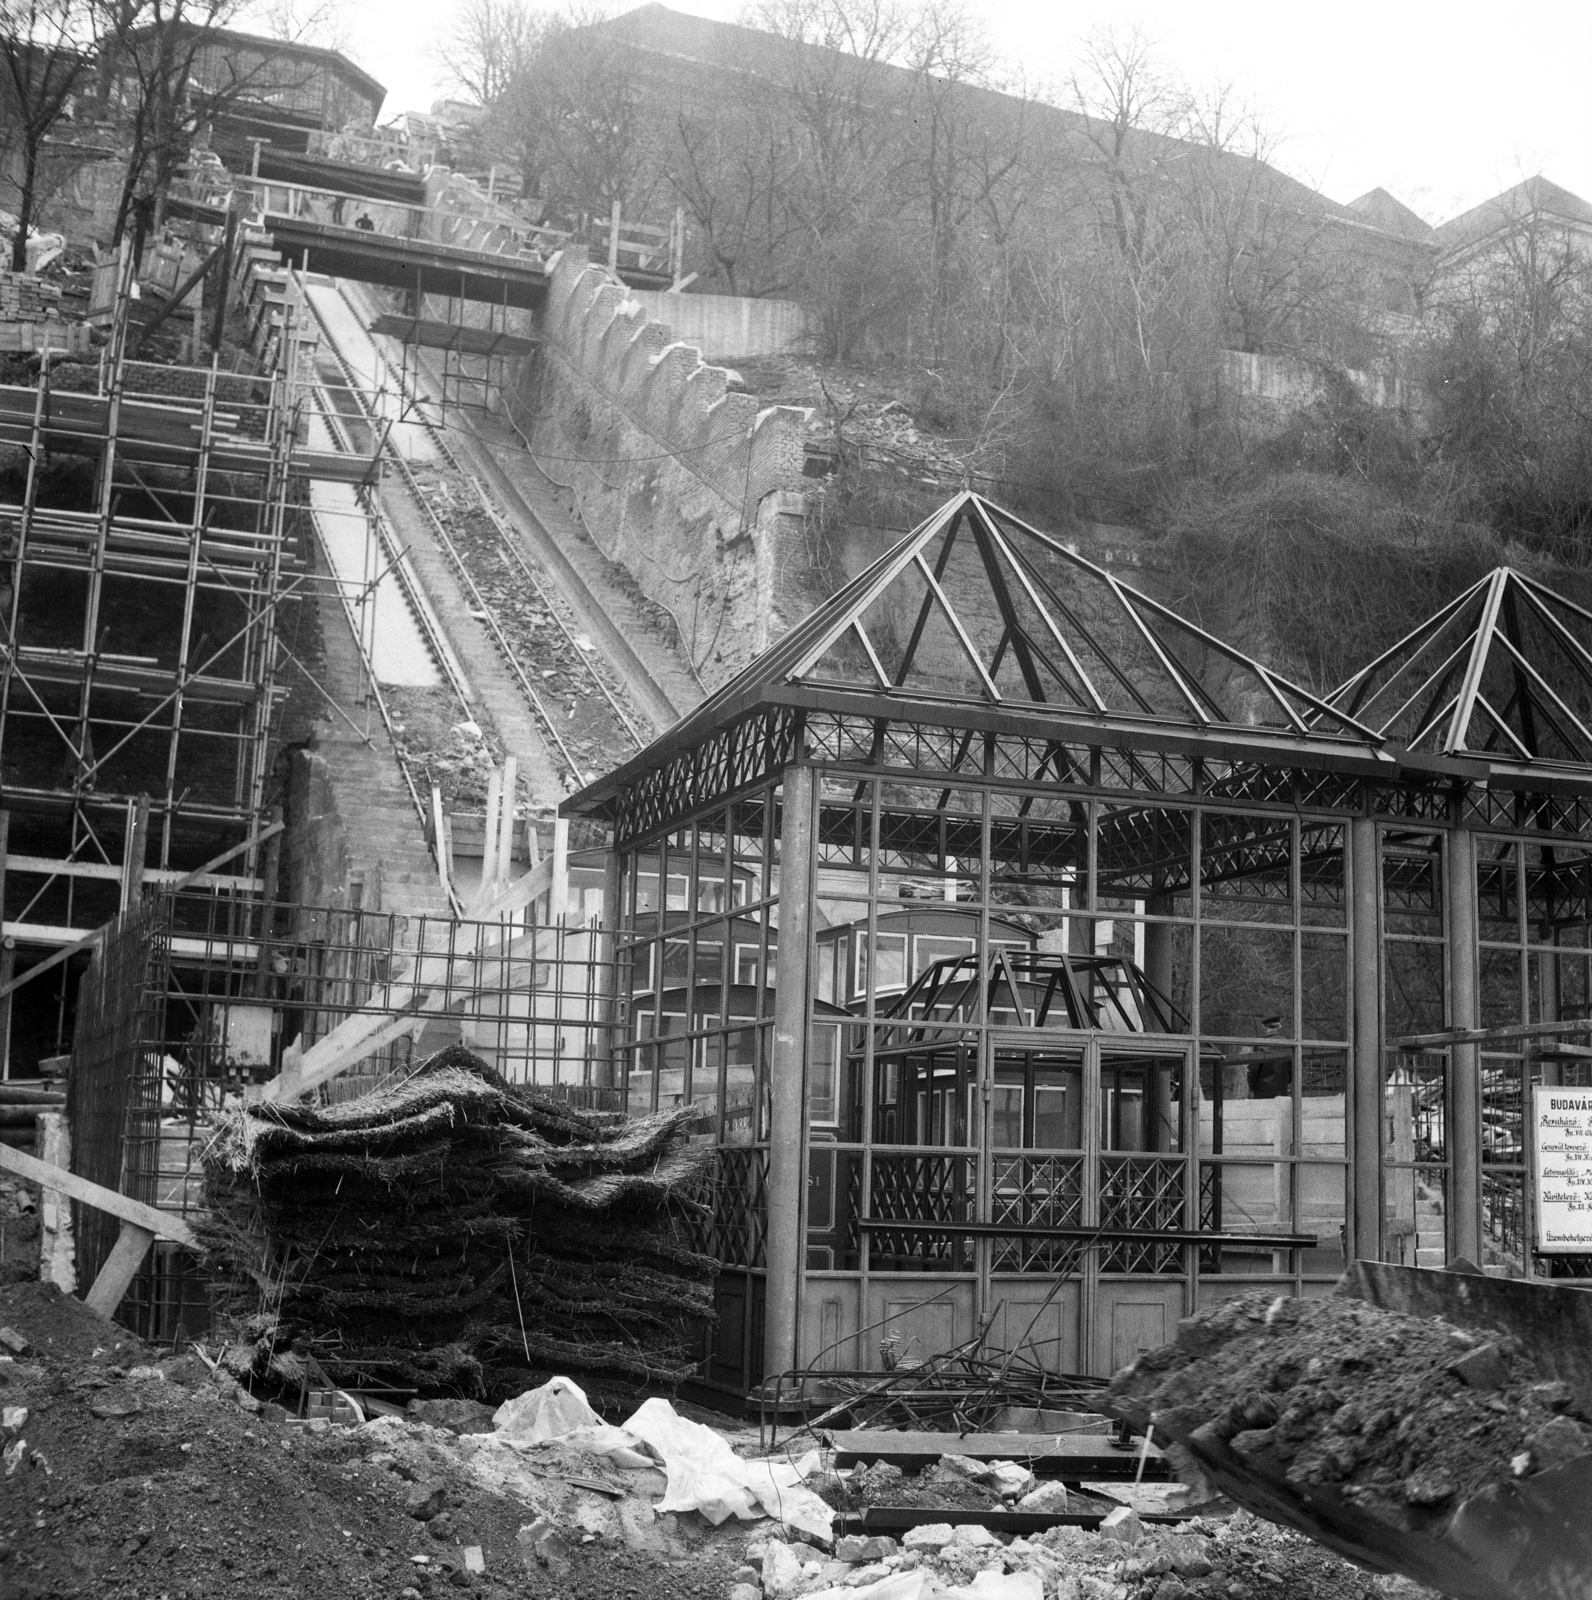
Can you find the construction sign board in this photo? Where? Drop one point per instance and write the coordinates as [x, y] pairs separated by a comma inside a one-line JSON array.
[[1561, 1170]]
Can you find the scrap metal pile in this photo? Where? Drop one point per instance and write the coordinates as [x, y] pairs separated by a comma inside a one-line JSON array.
[[455, 1230]]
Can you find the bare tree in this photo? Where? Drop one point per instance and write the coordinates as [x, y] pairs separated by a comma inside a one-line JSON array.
[[576, 115], [1507, 365], [489, 44], [964, 160], [160, 97], [46, 51], [316, 22]]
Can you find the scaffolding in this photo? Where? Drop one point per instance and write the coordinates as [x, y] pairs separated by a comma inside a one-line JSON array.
[[142, 567]]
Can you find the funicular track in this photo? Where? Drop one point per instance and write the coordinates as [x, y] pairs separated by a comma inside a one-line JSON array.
[[475, 558]]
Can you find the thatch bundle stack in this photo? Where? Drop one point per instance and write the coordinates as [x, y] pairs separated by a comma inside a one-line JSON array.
[[455, 1230]]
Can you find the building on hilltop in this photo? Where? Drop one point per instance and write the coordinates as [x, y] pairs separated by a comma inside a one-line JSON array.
[[276, 90]]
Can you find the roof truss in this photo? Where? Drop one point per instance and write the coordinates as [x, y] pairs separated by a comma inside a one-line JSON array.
[[976, 605], [1503, 671]]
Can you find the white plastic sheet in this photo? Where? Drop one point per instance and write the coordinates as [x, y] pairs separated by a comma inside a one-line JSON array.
[[706, 1475], [558, 1408]]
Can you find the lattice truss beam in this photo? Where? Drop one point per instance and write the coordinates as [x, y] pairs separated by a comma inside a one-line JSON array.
[[1503, 671]]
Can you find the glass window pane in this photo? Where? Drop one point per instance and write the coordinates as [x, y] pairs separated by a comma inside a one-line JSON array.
[[823, 1075], [1141, 1104], [1240, 1197], [1323, 987], [1246, 867], [1246, 982], [1320, 1209], [892, 962], [1413, 987], [1058, 1109], [1006, 1116]]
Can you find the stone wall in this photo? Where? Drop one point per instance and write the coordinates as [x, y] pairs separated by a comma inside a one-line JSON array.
[[694, 489]]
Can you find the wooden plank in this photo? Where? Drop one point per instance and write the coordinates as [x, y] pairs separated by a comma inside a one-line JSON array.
[[1528, 1030], [160, 1223], [430, 334], [896, 1520], [1054, 1455], [121, 1267]]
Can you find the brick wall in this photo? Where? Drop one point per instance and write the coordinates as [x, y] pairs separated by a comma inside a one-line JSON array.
[[694, 489]]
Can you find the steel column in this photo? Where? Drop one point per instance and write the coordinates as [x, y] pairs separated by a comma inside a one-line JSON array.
[[1462, 925], [1365, 954], [787, 1150]]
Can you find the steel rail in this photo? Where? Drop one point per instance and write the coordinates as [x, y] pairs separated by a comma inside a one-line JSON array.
[[416, 408], [450, 550]]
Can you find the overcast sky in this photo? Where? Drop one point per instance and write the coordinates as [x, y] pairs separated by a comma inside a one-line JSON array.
[[1442, 104]]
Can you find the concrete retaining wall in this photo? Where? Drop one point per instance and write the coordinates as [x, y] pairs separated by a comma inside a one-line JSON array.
[[694, 489], [723, 326], [1295, 383]]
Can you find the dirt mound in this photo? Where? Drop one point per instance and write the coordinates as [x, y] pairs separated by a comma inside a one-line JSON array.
[[64, 1329], [128, 1480], [1407, 1414]]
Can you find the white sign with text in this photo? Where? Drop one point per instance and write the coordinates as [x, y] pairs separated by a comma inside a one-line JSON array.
[[1562, 1170]]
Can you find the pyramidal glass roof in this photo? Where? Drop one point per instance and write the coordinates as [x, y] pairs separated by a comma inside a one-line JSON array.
[[978, 612], [1504, 671], [976, 606]]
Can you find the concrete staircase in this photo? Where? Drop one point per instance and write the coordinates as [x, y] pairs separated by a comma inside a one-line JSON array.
[[358, 841]]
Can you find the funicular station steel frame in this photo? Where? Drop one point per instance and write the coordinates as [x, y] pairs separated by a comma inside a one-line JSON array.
[[1244, 893]]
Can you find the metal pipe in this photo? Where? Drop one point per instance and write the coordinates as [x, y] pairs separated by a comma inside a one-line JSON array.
[[787, 1151], [1464, 1070], [1365, 1166]]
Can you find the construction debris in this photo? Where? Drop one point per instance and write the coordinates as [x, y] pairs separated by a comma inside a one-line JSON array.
[[968, 1387], [192, 1491], [455, 1232], [1401, 1411], [1399, 1439]]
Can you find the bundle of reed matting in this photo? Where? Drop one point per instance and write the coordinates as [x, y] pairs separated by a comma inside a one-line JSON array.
[[454, 1230]]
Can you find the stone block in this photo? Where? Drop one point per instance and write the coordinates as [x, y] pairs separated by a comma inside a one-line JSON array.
[[1124, 1526], [928, 1536], [782, 1571]]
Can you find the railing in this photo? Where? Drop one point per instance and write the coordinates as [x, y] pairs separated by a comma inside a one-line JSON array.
[[1142, 1192], [922, 1186], [1035, 1191]]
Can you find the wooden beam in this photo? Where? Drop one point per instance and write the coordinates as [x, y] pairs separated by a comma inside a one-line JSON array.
[[121, 1267], [50, 962], [134, 848], [408, 996], [160, 1223], [51, 866], [8, 968], [1529, 1030], [268, 832]]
